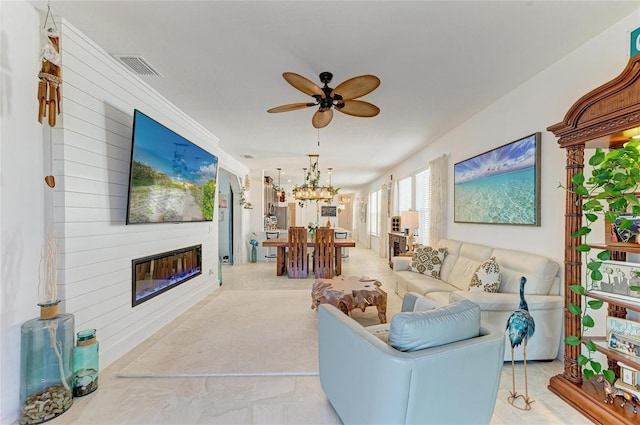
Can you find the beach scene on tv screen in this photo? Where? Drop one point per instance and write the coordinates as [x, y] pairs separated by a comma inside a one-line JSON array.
[[172, 179], [498, 186]]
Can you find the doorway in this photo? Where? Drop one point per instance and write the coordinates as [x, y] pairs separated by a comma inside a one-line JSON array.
[[225, 217]]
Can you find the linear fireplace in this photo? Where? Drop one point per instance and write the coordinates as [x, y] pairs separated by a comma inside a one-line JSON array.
[[158, 273]]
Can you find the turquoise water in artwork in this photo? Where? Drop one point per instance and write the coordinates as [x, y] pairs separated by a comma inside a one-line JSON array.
[[508, 198]]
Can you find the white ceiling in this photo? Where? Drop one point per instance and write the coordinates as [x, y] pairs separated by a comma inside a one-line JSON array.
[[439, 63]]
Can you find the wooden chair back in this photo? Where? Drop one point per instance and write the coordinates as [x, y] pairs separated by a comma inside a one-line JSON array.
[[297, 261], [324, 260]]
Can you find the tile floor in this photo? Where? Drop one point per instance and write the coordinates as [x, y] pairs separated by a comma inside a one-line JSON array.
[[275, 400]]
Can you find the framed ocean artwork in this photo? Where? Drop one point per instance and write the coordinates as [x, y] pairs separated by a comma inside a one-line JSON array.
[[501, 186]]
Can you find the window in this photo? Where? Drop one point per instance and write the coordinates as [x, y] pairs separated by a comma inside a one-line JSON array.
[[374, 213], [423, 205], [404, 194]]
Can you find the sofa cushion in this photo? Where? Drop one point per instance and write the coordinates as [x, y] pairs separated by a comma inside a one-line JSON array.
[[453, 251], [439, 297], [419, 330], [487, 277], [428, 260], [508, 302], [469, 258], [540, 271], [422, 284]]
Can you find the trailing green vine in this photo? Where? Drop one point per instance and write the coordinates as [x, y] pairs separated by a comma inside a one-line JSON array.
[[610, 192]]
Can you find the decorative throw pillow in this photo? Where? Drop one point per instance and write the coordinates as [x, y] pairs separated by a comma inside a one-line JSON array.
[[487, 277], [428, 260], [411, 331]]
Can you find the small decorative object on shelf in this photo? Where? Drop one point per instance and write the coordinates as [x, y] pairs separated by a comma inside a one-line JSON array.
[[46, 350], [628, 382], [624, 231], [521, 327], [624, 344], [613, 391], [619, 279], [85, 363]]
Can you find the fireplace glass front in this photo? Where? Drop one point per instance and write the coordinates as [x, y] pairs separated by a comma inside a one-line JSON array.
[[158, 273]]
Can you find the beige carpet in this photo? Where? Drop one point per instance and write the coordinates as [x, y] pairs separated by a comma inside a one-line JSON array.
[[259, 332]]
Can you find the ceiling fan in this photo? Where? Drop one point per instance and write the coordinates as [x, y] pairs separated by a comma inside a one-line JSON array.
[[342, 98]]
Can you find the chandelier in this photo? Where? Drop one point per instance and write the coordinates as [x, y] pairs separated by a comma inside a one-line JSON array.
[[312, 190], [280, 192]]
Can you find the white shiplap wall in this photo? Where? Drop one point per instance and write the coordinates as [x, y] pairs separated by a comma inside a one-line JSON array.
[[92, 147]]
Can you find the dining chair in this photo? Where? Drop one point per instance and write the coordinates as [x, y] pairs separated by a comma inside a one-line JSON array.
[[272, 253], [324, 260], [344, 252], [297, 260]]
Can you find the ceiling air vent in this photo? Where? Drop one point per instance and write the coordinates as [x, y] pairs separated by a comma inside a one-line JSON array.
[[138, 65], [247, 156]]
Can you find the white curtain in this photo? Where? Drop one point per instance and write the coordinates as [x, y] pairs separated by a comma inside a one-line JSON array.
[[437, 222], [383, 219]]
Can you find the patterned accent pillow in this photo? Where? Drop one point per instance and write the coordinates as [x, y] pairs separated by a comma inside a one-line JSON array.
[[428, 260], [487, 277]]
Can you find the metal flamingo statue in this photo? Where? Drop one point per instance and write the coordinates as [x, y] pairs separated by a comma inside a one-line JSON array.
[[521, 327]]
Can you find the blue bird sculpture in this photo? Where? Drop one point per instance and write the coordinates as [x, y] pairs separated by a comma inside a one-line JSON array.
[[521, 327]]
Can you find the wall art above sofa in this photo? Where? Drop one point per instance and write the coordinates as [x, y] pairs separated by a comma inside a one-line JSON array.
[[501, 186]]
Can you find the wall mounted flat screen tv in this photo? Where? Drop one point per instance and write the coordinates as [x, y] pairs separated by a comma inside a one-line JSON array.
[[171, 179]]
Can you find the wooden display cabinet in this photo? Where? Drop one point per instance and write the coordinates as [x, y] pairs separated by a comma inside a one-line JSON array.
[[601, 118], [397, 245]]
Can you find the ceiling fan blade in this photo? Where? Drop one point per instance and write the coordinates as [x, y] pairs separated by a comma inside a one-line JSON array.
[[290, 107], [358, 108], [322, 118], [357, 86], [303, 84]]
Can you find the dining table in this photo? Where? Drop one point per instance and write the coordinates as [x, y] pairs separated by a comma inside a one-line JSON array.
[[281, 255]]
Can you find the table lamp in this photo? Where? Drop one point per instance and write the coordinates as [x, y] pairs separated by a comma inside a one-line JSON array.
[[410, 220]]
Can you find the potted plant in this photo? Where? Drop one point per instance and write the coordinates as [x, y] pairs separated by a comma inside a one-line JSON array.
[[610, 192]]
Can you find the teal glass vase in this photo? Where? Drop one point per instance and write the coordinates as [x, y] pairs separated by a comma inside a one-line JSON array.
[[254, 254], [85, 363], [46, 366]]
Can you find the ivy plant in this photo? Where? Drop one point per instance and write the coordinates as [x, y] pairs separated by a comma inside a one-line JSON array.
[[609, 192]]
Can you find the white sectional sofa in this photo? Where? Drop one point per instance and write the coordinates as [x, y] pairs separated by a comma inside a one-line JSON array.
[[542, 290]]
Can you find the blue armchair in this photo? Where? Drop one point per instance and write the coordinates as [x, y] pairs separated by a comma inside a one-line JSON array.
[[369, 382]]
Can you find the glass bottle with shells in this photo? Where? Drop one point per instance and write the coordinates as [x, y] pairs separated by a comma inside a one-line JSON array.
[[46, 368]]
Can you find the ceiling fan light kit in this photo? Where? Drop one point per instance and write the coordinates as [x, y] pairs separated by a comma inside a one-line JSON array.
[[342, 98]]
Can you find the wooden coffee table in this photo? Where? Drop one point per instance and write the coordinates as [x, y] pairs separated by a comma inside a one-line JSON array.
[[349, 293]]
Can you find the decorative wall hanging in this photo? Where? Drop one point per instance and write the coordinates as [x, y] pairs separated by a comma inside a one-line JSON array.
[[501, 186], [50, 77], [50, 74]]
